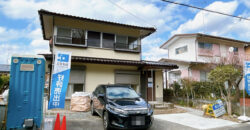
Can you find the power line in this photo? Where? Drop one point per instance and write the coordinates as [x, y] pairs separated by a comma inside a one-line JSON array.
[[130, 13], [211, 11]]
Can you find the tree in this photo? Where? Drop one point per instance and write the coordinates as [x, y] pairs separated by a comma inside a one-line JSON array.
[[226, 74], [3, 81]]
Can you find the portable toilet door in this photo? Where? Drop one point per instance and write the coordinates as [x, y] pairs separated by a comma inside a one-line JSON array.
[[25, 104]]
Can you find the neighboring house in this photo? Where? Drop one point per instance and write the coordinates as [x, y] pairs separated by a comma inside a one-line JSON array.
[[196, 53], [4, 69], [103, 53]]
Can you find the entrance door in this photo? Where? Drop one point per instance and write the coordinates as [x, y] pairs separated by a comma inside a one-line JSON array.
[[151, 86]]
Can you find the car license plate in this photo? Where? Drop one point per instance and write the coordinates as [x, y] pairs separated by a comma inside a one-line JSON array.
[[138, 120]]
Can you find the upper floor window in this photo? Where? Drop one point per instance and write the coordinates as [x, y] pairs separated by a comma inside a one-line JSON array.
[[204, 45], [108, 40], [181, 50], [126, 43], [235, 49], [70, 36], [132, 43], [94, 39]]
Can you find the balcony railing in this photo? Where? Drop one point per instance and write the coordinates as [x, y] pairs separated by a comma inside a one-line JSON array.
[[80, 42], [127, 47], [70, 41]]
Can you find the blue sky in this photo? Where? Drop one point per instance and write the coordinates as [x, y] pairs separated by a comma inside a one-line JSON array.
[[20, 30]]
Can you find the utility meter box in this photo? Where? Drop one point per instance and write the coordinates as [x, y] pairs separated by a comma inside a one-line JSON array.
[[25, 103]]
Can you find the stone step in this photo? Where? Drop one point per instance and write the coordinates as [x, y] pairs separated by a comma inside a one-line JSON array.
[[162, 104], [161, 107]]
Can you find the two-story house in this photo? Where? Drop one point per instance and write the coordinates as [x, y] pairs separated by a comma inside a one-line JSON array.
[[196, 53], [103, 52]]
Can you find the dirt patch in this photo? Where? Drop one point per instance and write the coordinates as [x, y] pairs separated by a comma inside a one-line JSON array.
[[169, 111]]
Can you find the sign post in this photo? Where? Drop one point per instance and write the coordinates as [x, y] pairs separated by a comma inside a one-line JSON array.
[[247, 87], [60, 79]]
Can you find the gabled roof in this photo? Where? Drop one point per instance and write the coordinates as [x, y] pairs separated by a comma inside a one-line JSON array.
[[43, 12], [4, 68], [198, 35]]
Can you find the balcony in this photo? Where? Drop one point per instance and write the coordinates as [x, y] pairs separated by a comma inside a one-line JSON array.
[[127, 47], [70, 41]]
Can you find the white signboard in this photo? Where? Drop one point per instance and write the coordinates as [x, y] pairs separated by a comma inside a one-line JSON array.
[[218, 108]]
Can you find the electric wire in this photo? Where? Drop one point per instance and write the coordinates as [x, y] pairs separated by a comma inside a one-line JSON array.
[[211, 11], [131, 13]]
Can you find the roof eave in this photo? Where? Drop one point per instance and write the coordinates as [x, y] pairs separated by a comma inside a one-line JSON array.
[[42, 12]]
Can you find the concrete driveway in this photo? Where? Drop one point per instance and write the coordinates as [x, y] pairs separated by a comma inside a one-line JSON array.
[[181, 121]]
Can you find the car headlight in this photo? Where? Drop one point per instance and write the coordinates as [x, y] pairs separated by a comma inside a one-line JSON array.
[[150, 108], [118, 110]]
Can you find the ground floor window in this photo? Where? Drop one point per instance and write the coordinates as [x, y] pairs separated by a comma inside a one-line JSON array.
[[76, 80], [72, 88], [203, 76], [174, 77]]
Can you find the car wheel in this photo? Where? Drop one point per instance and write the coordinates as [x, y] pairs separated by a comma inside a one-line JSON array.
[[93, 113], [105, 121]]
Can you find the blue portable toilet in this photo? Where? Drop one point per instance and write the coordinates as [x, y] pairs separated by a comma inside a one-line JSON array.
[[25, 103]]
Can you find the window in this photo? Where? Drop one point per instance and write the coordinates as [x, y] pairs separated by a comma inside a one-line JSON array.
[[132, 43], [72, 88], [121, 42], [78, 88], [181, 50], [121, 92], [94, 39], [235, 49], [70, 36], [126, 43], [204, 45], [108, 40], [78, 36], [203, 76], [63, 35]]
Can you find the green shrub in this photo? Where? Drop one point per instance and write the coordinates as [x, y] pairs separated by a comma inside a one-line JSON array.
[[4, 80], [168, 94]]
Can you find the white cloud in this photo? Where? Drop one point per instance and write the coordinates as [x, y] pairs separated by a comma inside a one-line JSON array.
[[152, 15], [219, 25], [8, 49], [20, 9], [10, 34], [246, 3], [209, 22], [155, 54]]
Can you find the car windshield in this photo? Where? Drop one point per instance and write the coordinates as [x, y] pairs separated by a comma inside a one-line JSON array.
[[121, 92]]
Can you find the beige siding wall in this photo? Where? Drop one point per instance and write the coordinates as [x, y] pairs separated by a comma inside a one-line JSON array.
[[102, 74], [159, 85], [99, 53]]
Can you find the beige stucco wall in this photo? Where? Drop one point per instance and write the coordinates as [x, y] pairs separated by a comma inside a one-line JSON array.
[[159, 85], [102, 74], [99, 53]]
